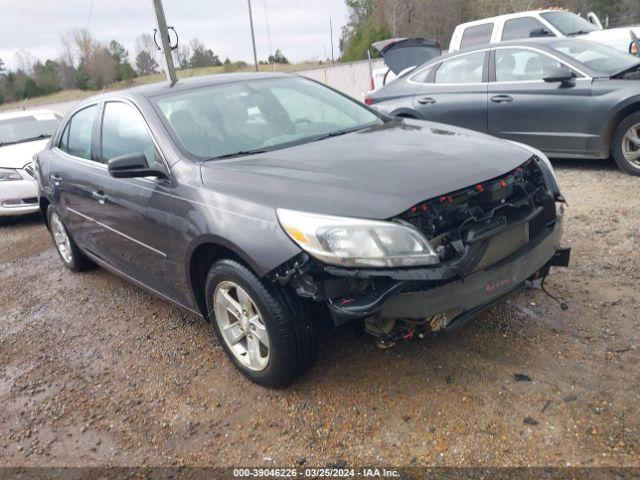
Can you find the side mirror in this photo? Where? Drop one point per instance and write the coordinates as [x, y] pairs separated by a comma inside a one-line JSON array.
[[561, 74], [540, 32], [134, 165]]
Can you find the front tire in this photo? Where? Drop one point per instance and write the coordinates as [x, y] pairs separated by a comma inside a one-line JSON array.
[[625, 144], [67, 248], [270, 342]]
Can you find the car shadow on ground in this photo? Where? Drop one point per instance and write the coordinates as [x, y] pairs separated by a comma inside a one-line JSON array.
[[607, 165], [22, 220]]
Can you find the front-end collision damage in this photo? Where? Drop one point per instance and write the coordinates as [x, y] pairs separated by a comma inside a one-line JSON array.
[[491, 238]]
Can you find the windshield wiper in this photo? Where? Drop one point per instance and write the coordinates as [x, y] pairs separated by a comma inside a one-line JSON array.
[[337, 133], [579, 32], [241, 153], [24, 140]]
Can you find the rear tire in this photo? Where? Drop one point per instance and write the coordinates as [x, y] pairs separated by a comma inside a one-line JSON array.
[[70, 254], [626, 142], [235, 296]]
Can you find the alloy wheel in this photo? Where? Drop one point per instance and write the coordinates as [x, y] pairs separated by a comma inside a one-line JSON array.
[[241, 325], [631, 145], [61, 239]]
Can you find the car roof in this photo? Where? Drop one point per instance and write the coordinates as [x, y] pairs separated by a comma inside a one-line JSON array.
[[508, 16], [542, 42], [26, 113], [158, 88], [523, 42]]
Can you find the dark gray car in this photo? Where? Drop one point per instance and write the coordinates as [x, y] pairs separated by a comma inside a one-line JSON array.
[[269, 204], [566, 97]]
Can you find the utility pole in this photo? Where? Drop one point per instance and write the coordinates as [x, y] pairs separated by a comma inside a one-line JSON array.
[[253, 37], [165, 42], [331, 33]]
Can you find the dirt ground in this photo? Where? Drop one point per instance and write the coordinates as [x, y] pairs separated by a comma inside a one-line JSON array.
[[95, 371]]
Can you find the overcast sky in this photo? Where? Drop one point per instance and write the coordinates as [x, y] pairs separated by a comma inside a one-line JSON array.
[[300, 28]]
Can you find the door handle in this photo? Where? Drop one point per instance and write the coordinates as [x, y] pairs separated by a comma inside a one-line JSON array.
[[55, 179], [501, 99], [426, 100], [99, 196]]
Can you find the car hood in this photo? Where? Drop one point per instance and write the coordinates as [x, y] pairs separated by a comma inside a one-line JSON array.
[[374, 173], [613, 34], [19, 154]]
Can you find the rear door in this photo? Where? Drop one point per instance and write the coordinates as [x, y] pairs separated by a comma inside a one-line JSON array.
[[455, 91], [523, 107], [72, 168]]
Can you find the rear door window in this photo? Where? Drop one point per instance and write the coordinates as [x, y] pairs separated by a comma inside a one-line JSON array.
[[463, 69], [517, 28], [64, 139], [423, 75], [80, 133], [477, 35]]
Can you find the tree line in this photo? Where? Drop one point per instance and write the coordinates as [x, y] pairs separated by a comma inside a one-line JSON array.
[[373, 20], [88, 64]]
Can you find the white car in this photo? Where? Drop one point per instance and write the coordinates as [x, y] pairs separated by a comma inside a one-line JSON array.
[[539, 23], [22, 135]]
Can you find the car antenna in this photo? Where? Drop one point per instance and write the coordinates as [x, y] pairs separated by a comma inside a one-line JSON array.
[[165, 42]]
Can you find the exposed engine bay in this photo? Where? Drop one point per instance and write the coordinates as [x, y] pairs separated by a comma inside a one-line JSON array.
[[474, 230]]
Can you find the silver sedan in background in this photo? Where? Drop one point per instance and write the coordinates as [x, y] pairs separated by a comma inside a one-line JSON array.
[[567, 97]]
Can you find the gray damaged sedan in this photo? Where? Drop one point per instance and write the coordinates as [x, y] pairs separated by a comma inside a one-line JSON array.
[[271, 205], [568, 97]]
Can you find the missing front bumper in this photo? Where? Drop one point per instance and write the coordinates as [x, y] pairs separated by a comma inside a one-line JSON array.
[[469, 294]]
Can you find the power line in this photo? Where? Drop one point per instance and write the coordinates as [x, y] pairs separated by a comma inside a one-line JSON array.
[[90, 13]]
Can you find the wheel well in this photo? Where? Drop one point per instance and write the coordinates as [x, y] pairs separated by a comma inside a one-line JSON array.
[[406, 115], [44, 205], [201, 260], [615, 121]]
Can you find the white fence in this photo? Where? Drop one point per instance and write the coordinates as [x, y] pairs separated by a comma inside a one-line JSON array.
[[351, 78]]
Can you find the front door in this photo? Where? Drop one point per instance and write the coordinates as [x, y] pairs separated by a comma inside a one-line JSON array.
[[135, 212], [523, 107], [456, 92]]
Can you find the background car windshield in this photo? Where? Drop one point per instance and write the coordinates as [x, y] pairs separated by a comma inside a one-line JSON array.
[[259, 115], [569, 23], [20, 129], [600, 58]]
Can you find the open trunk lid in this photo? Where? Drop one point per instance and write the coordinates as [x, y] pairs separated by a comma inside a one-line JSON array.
[[402, 53]]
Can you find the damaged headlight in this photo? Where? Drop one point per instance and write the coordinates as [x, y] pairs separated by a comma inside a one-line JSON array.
[[356, 242]]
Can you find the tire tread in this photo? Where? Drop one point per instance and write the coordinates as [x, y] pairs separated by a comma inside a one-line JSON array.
[[292, 326]]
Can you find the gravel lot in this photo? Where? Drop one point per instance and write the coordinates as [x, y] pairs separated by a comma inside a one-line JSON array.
[[95, 371]]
